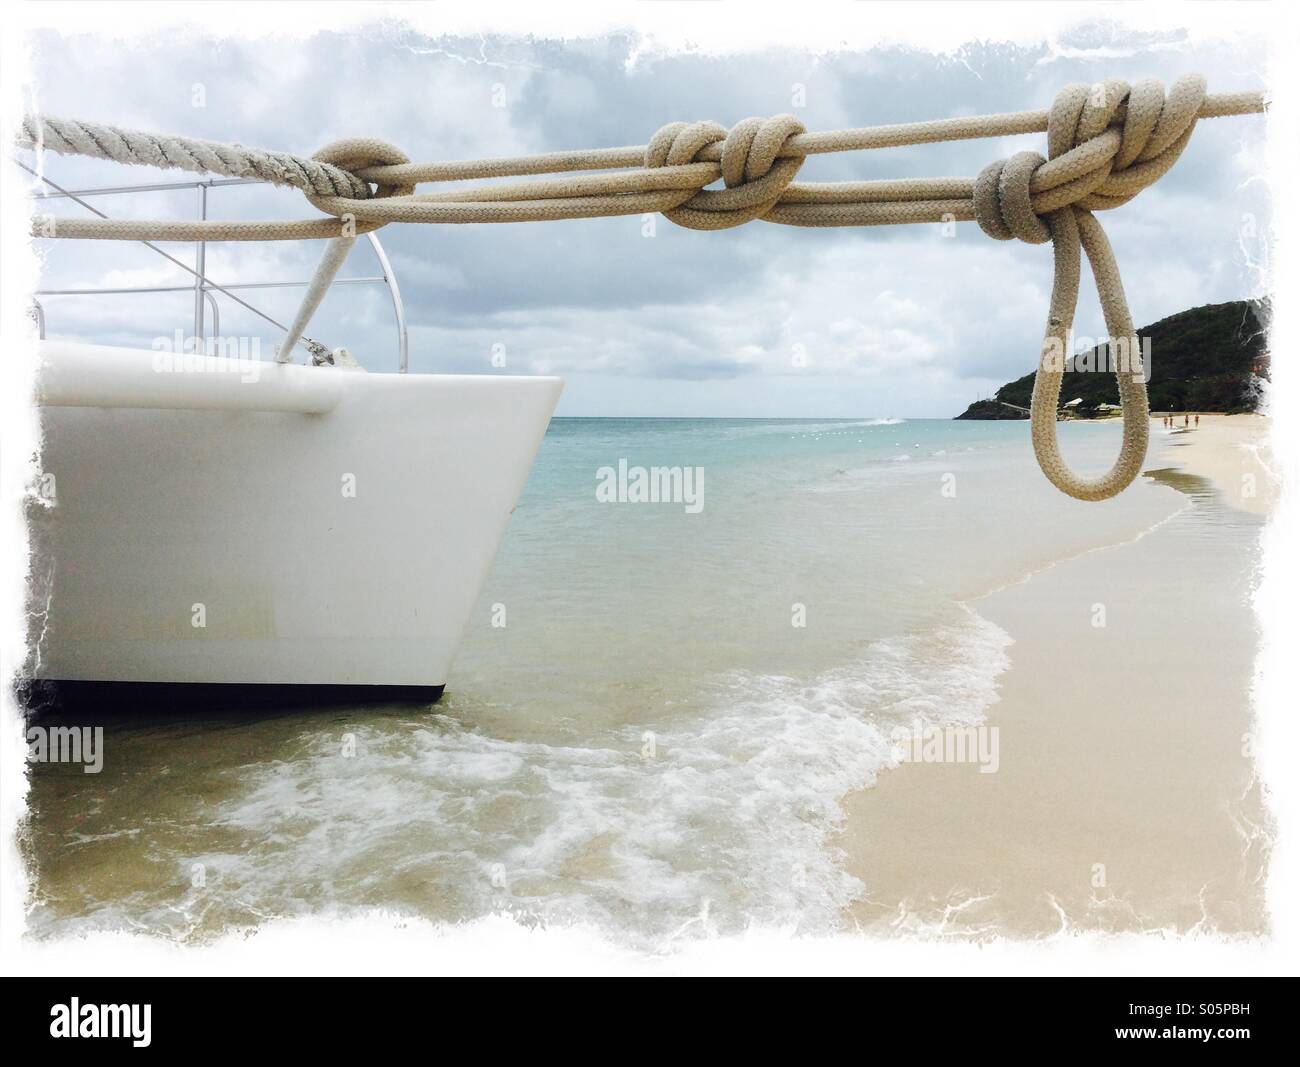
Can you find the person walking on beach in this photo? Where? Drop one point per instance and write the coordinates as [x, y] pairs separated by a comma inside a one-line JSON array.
[[1198, 419], [1184, 420]]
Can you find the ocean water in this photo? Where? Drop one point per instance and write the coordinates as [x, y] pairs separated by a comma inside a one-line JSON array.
[[654, 715]]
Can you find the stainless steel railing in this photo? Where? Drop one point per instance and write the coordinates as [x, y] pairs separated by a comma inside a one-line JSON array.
[[203, 287]]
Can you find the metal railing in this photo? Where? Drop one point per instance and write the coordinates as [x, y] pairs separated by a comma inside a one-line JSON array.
[[203, 287]]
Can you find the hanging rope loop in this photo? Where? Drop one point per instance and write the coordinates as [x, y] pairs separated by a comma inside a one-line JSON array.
[[1072, 228], [1106, 143]]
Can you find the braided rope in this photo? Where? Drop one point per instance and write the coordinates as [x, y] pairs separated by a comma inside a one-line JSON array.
[[168, 151], [1106, 143], [1104, 156]]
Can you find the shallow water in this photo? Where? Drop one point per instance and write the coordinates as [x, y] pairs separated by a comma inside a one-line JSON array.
[[652, 718]]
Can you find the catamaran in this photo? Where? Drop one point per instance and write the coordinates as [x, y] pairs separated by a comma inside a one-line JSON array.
[[214, 527]]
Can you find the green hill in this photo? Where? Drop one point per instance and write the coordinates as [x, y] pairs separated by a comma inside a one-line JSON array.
[[1205, 359]]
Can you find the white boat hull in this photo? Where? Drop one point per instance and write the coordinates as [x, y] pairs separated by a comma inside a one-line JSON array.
[[307, 526]]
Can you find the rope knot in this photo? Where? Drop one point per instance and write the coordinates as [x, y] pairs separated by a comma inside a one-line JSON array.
[[357, 153], [349, 156], [1131, 135], [1004, 206], [752, 168], [1105, 144]]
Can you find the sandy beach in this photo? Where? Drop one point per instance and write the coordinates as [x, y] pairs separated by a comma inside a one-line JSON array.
[[1124, 798]]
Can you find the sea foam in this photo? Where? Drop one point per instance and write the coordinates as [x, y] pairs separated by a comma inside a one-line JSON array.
[[716, 820]]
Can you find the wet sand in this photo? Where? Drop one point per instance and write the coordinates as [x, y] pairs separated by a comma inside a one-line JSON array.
[[1232, 451], [1125, 796]]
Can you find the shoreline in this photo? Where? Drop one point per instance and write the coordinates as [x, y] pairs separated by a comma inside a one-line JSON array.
[[1230, 451], [1122, 800]]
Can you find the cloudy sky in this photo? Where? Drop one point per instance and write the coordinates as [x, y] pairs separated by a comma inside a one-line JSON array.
[[893, 321]]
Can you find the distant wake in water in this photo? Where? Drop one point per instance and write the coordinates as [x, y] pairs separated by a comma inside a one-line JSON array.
[[811, 426]]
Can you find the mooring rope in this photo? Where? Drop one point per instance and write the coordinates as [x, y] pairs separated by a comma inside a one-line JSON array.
[[1106, 143]]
